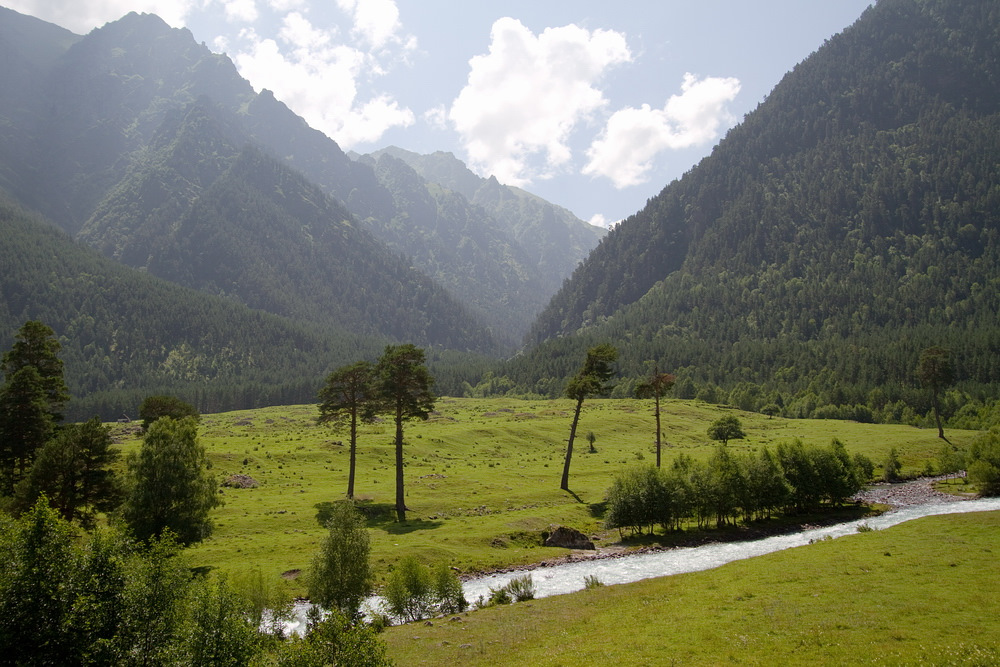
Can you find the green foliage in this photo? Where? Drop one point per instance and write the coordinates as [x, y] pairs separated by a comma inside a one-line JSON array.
[[409, 590], [726, 428], [518, 589], [334, 640], [591, 380], [404, 389], [592, 581], [818, 263], [984, 463], [125, 334], [168, 487], [935, 372], [74, 471], [349, 397], [154, 407], [891, 466], [448, 589], [25, 424], [727, 485], [36, 345], [341, 575], [414, 591]]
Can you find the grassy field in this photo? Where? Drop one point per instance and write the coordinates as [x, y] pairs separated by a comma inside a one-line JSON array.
[[925, 592], [482, 475]]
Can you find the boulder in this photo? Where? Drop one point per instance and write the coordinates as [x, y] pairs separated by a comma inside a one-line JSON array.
[[568, 538]]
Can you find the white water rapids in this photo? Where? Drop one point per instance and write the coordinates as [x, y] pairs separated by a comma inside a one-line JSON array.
[[569, 577]]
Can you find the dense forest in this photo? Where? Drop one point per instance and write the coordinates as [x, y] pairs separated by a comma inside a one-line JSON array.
[[119, 135], [849, 222]]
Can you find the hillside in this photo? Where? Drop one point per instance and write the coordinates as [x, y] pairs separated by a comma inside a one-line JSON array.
[[850, 221], [126, 334], [553, 239], [89, 120]]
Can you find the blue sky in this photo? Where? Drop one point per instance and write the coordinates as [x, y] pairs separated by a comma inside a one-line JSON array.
[[595, 106]]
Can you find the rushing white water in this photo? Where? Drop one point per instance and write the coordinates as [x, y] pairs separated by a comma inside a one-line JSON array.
[[569, 577]]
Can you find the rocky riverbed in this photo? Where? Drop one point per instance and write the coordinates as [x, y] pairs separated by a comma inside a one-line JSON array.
[[905, 494]]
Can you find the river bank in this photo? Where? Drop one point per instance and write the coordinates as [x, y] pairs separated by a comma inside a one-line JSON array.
[[895, 495]]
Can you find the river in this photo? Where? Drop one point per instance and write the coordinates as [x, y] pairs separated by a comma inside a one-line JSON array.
[[569, 577]]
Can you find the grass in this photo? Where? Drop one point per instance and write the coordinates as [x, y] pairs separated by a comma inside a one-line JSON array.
[[482, 475], [923, 592]]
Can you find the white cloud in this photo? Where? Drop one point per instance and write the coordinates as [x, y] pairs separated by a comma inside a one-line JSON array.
[[598, 220], [82, 16], [524, 98], [240, 11], [316, 76], [375, 21], [633, 137], [437, 117]]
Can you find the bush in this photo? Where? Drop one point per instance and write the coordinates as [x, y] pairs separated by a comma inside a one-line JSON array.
[[984, 463], [522, 588], [341, 575], [591, 581]]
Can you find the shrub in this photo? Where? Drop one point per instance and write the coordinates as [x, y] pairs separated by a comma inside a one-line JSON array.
[[522, 588], [591, 581]]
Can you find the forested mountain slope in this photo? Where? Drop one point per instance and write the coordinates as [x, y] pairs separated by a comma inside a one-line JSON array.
[[126, 334], [553, 239], [196, 210], [849, 221], [84, 121]]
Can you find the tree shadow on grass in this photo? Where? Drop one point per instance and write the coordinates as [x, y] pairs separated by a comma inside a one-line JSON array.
[[377, 515], [597, 510]]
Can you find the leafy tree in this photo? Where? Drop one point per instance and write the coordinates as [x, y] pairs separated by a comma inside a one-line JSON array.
[[590, 380], [984, 463], [25, 424], [74, 471], [217, 631], [348, 397], [154, 407], [404, 387], [891, 466], [935, 372], [448, 590], [409, 590], [168, 486], [656, 387], [36, 591], [335, 640], [341, 575], [36, 345], [726, 428]]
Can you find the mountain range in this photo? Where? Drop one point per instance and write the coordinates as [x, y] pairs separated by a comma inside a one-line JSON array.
[[848, 222]]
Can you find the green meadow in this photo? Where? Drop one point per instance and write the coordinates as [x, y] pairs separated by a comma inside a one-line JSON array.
[[922, 593], [482, 475]]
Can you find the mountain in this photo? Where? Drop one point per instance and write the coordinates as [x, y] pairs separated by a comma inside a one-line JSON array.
[[197, 210], [102, 135], [851, 220], [553, 239], [126, 334]]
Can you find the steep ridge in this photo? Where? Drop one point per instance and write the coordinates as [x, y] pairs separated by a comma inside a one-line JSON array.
[[849, 221]]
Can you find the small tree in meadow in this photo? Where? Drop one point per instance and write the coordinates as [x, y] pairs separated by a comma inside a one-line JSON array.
[[726, 428], [341, 575]]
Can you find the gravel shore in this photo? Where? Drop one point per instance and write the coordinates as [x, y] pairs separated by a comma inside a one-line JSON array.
[[904, 494]]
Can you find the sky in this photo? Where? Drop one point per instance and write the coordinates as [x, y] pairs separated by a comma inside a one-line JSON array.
[[595, 106]]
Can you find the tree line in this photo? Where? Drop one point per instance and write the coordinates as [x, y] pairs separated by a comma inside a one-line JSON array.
[[732, 486]]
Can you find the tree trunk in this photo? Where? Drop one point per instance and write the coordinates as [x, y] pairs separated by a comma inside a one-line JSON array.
[[657, 430], [937, 414], [400, 498], [354, 452], [569, 445]]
